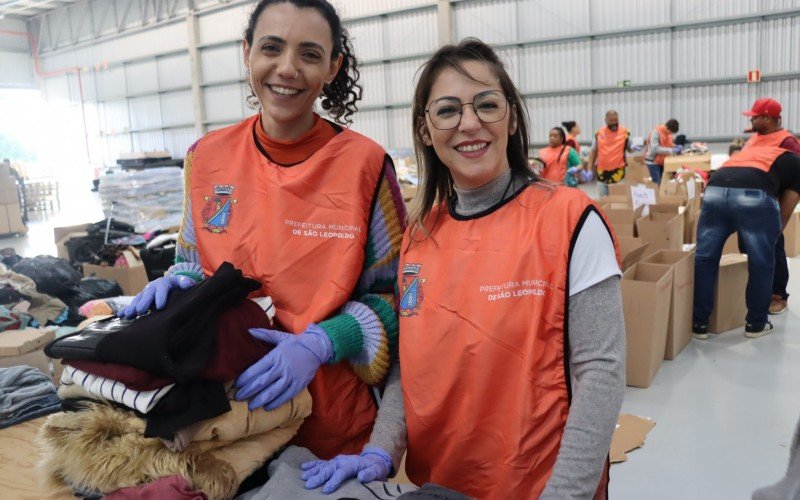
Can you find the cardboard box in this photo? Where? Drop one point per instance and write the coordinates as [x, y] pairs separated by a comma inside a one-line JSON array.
[[60, 232], [408, 192], [636, 171], [622, 218], [730, 309], [605, 200], [675, 163], [64, 233], [14, 214], [26, 347], [664, 230], [791, 235], [646, 297], [4, 227], [131, 279], [622, 189], [679, 328], [731, 245], [9, 194], [631, 250]]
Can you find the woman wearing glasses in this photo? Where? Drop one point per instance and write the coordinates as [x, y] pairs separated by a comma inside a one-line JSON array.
[[512, 341]]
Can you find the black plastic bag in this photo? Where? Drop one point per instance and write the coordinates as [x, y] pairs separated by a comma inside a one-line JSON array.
[[53, 276]]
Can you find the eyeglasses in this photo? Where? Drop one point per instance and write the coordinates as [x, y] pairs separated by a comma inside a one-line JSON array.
[[490, 106]]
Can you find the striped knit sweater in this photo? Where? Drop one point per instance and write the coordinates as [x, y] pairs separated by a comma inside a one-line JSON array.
[[365, 330]]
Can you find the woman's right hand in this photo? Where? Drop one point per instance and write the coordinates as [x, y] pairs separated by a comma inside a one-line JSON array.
[[155, 291]]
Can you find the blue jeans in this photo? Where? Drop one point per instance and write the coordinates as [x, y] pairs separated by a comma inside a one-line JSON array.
[[656, 171], [755, 215]]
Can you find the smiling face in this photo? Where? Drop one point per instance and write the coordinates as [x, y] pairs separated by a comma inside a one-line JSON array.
[[474, 152], [289, 62]]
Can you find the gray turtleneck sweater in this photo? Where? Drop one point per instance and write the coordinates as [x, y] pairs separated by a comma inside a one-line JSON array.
[[597, 366]]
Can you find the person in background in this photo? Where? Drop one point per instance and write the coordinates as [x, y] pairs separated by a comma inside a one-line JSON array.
[[766, 114], [313, 211], [573, 131], [658, 146], [754, 193], [607, 157], [512, 373], [558, 158]]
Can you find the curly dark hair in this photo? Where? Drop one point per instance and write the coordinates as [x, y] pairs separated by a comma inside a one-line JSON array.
[[339, 98]]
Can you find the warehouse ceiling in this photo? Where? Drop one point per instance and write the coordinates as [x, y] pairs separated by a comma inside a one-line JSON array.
[[28, 8]]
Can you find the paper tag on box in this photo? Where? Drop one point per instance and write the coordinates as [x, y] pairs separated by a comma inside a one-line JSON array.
[[642, 195], [690, 189]]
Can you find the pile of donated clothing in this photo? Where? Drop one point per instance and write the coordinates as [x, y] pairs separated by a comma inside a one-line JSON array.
[[148, 402]]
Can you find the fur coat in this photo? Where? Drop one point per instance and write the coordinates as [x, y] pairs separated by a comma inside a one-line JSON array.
[[103, 448]]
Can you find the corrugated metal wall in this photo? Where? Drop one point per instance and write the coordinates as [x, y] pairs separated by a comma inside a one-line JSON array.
[[16, 66], [686, 51], [688, 58]]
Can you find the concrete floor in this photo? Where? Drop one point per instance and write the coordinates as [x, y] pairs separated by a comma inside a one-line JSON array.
[[725, 409]]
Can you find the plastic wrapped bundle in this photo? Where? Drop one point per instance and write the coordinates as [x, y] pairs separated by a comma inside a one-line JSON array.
[[150, 199]]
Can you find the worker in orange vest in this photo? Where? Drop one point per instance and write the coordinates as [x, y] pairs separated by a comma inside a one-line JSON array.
[[573, 131], [310, 209], [607, 157], [658, 145], [558, 158], [754, 194], [497, 398], [768, 124]]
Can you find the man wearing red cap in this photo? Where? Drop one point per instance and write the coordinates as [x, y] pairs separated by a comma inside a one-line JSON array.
[[754, 194], [766, 119]]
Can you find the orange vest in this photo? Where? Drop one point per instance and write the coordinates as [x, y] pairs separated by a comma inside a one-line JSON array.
[[760, 151], [575, 140], [301, 231], [555, 163], [483, 353], [665, 141], [611, 148]]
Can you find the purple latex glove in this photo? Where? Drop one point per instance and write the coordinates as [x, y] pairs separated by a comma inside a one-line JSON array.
[[677, 149], [155, 291], [373, 464], [286, 370]]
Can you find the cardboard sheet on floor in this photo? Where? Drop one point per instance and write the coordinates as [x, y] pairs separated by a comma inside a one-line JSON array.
[[19, 478], [630, 434]]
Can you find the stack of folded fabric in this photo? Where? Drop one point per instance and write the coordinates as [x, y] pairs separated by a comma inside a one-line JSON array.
[[150, 396], [25, 393]]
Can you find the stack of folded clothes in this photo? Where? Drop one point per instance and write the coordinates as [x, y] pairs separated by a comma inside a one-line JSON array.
[[25, 393], [149, 398]]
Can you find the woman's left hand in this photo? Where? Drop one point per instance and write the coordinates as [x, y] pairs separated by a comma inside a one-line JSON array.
[[374, 464], [286, 370]]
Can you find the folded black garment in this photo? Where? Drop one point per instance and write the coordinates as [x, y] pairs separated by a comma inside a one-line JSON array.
[[184, 405], [174, 342]]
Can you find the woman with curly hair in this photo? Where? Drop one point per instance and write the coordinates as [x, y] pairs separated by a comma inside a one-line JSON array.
[[313, 211]]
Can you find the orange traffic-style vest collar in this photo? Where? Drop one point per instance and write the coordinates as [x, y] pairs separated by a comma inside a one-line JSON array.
[[611, 148], [301, 231], [665, 141], [555, 163], [484, 355], [760, 151]]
